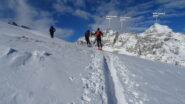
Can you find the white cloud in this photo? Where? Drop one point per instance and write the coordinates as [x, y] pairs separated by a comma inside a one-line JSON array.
[[177, 4], [80, 3], [82, 14], [74, 3], [43, 23], [174, 14], [172, 4], [63, 8], [64, 33], [173, 8], [24, 14]]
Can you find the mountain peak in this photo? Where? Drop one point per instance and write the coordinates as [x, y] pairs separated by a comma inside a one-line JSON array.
[[158, 28]]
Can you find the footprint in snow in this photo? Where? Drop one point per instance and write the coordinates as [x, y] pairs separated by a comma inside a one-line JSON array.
[[11, 51]]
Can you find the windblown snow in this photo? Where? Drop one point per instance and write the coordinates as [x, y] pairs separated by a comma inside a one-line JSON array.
[[35, 69]]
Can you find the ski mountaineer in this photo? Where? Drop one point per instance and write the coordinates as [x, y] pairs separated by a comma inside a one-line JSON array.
[[52, 30], [98, 34], [87, 35]]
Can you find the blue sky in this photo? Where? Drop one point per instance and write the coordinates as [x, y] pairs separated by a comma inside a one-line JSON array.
[[73, 17]]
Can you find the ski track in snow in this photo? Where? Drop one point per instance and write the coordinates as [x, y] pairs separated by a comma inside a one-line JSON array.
[[94, 83], [118, 88], [109, 84], [126, 88], [103, 82]]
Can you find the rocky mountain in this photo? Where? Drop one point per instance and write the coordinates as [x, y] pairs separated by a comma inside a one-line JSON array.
[[15, 24], [157, 43]]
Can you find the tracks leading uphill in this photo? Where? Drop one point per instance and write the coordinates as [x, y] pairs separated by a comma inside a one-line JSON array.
[[111, 61], [103, 83]]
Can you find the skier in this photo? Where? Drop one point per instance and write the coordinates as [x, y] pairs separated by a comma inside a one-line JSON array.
[[87, 35], [52, 30], [98, 34]]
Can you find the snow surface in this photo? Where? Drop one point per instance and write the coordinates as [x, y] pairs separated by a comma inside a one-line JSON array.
[[35, 69]]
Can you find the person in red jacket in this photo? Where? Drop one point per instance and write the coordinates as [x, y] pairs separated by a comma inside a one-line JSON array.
[[98, 34]]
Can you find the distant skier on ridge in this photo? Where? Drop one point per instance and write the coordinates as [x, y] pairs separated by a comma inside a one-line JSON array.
[[98, 34], [52, 30], [87, 35]]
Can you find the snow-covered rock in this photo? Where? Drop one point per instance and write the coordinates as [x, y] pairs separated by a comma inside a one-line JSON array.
[[157, 28], [158, 43]]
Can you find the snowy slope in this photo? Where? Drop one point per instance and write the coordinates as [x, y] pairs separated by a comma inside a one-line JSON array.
[[35, 69], [158, 43]]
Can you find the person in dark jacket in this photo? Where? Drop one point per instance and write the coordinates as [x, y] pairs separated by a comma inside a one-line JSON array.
[[87, 35], [52, 30], [98, 34]]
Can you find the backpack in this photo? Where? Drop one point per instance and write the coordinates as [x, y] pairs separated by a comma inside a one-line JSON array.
[[52, 29], [98, 33], [87, 33]]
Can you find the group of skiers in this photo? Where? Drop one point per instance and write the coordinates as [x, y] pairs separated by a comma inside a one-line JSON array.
[[88, 33], [98, 35]]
